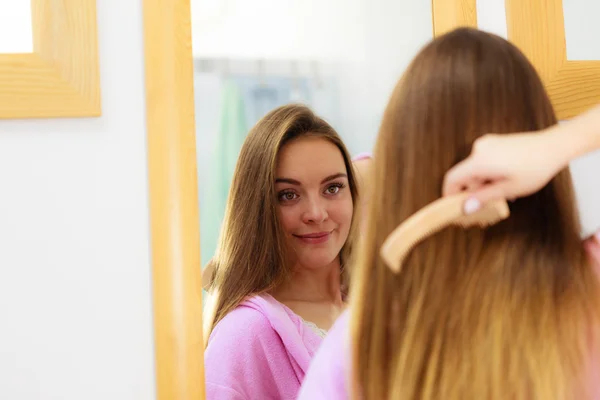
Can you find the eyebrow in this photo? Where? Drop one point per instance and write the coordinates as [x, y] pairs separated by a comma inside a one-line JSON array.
[[295, 182]]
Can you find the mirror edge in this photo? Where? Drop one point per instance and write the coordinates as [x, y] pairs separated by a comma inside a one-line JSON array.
[[174, 208]]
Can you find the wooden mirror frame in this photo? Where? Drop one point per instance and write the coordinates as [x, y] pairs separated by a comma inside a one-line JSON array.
[[61, 77], [174, 209], [537, 27]]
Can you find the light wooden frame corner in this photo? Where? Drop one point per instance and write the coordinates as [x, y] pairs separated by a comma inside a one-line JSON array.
[[537, 27], [61, 77], [451, 14]]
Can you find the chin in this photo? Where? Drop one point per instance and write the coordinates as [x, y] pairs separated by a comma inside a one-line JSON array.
[[317, 261]]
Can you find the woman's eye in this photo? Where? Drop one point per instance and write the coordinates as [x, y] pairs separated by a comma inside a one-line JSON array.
[[287, 196], [334, 189]]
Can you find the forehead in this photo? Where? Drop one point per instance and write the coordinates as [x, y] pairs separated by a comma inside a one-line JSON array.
[[308, 156]]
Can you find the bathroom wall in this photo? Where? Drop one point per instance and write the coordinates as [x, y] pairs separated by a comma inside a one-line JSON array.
[[75, 299]]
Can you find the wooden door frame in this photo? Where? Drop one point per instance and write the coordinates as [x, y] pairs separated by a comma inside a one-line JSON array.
[[173, 191]]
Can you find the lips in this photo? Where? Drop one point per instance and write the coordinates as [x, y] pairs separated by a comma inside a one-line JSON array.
[[314, 238], [313, 235]]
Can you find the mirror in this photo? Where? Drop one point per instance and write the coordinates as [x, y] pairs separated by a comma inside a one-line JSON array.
[[251, 57], [15, 27]]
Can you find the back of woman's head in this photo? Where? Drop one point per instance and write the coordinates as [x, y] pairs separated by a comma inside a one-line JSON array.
[[251, 256], [500, 313]]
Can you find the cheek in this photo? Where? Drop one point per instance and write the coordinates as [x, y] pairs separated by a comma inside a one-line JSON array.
[[343, 212], [289, 218]]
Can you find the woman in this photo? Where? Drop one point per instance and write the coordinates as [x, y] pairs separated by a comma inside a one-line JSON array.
[[508, 312], [279, 276]]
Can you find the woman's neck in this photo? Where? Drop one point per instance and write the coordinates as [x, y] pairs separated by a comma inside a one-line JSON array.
[[320, 285]]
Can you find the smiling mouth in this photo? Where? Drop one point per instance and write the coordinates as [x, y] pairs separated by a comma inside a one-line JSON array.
[[314, 238], [313, 235]]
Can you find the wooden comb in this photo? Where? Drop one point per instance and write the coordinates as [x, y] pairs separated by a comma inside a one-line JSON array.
[[444, 212]]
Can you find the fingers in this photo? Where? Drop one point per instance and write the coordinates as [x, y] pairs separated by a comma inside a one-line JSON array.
[[474, 185], [461, 176]]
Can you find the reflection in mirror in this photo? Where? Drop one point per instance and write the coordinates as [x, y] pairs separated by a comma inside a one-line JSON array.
[[251, 57], [15, 27], [582, 29], [339, 58], [275, 238]]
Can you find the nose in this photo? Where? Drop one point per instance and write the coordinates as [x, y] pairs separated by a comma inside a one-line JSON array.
[[315, 212]]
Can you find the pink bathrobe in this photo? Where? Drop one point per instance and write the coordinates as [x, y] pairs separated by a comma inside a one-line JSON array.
[[259, 351], [328, 376]]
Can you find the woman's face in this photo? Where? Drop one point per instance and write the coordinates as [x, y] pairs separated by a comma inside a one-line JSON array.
[[314, 198]]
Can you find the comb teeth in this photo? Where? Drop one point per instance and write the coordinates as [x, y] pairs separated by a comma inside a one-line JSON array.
[[431, 219]]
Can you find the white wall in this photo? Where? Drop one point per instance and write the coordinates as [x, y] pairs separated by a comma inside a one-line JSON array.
[[75, 299], [16, 35]]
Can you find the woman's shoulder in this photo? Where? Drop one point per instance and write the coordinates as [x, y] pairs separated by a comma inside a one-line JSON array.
[[243, 323], [245, 336], [243, 351], [362, 156]]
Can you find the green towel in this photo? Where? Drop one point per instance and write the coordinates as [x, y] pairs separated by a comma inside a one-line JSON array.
[[228, 143]]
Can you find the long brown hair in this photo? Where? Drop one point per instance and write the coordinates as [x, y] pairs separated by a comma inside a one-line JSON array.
[[250, 257], [500, 313]]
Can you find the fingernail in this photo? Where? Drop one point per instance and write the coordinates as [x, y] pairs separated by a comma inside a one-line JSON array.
[[597, 236], [471, 205]]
